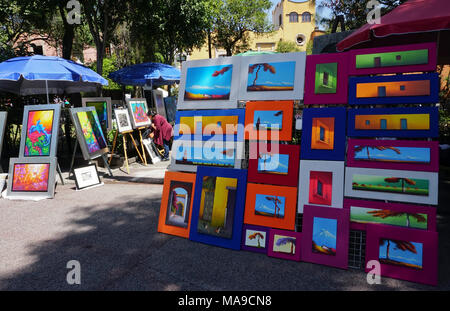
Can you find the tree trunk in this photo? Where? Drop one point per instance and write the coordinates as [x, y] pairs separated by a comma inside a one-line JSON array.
[[209, 44], [69, 34], [100, 51]]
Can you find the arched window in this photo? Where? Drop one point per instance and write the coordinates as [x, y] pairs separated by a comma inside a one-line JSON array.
[[306, 17], [293, 17], [280, 20]]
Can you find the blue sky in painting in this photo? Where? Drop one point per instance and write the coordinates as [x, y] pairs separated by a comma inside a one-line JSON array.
[[200, 80], [202, 155], [277, 163], [324, 232], [403, 256], [267, 206], [409, 154], [284, 75], [270, 119]]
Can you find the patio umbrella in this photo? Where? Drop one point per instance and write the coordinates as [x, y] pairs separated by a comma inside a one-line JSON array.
[[146, 74]]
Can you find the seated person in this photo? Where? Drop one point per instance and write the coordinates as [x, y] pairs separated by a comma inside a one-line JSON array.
[[162, 132]]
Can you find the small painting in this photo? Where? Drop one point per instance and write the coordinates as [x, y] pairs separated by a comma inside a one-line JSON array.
[[401, 253], [284, 244], [326, 78], [86, 177], [268, 120], [390, 59], [277, 164], [208, 83], [412, 155], [388, 184], [324, 236], [320, 187], [265, 77], [256, 238], [322, 133], [270, 206], [30, 177], [178, 206], [123, 120], [39, 133], [197, 155]]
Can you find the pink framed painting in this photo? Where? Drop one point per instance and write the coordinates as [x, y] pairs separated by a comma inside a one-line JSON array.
[[364, 212], [394, 154], [326, 79], [325, 236], [405, 254], [394, 59], [284, 244]]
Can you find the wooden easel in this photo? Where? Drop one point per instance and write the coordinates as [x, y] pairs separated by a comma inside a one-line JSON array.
[[142, 144], [124, 137]]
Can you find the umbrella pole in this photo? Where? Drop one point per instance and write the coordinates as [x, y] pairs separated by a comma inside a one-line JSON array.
[[46, 88]]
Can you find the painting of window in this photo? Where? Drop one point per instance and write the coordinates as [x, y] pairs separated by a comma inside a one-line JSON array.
[[178, 205], [381, 91], [322, 133], [326, 78], [320, 188]]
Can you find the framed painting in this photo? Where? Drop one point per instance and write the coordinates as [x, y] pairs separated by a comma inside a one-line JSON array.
[[3, 117], [321, 183], [364, 212], [218, 211], [326, 236], [392, 185], [40, 128], [272, 76], [399, 89], [285, 244], [405, 254], [410, 155], [255, 238], [269, 120], [394, 59], [210, 124], [86, 177], [323, 134], [326, 79], [31, 178], [89, 132], [158, 99], [170, 103], [123, 121], [274, 164], [393, 122], [209, 84], [176, 204], [104, 110], [151, 151], [271, 206], [138, 112]]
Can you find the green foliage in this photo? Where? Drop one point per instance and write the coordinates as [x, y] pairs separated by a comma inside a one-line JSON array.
[[444, 115], [287, 47], [110, 64]]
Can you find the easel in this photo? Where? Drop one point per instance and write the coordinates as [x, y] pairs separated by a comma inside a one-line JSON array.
[[90, 162], [124, 137], [142, 144]]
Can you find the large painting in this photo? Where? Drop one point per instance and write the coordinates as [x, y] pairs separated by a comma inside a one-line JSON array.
[[138, 109], [158, 99], [104, 110]]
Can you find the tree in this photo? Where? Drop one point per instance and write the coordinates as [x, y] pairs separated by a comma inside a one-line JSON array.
[[388, 213], [286, 47], [257, 236]]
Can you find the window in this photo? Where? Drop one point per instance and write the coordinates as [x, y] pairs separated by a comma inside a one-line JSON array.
[[306, 17], [367, 122], [319, 188], [301, 39], [280, 20], [383, 124], [402, 87], [381, 91], [325, 78], [404, 124], [322, 134], [377, 62], [293, 17]]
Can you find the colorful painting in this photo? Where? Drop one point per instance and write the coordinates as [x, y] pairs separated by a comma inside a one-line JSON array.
[[178, 206], [397, 154], [139, 112], [322, 133], [401, 253], [273, 163], [265, 77], [324, 236], [39, 133], [204, 125], [419, 121], [326, 78], [320, 187], [256, 238], [196, 155], [268, 120], [390, 59], [393, 89], [30, 177], [92, 131], [284, 244], [394, 184], [270, 206], [208, 83], [102, 112]]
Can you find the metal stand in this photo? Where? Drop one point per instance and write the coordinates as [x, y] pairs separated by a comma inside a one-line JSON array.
[[105, 160]]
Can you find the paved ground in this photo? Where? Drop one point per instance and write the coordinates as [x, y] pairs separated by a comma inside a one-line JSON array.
[[112, 231]]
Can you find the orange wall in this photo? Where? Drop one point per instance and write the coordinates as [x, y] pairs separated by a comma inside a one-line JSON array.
[[415, 121], [412, 88]]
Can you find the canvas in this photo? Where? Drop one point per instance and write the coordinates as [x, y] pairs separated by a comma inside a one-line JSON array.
[[272, 76], [40, 128], [394, 154], [255, 238], [158, 99], [170, 103], [3, 118], [285, 244], [271, 206], [321, 183], [103, 107], [123, 120], [392, 185], [86, 177], [151, 151], [138, 109]]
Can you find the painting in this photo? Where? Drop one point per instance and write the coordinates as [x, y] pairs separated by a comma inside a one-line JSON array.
[[255, 238], [272, 76], [148, 144], [326, 236], [274, 164], [40, 131], [269, 120], [394, 154], [323, 134], [170, 103], [326, 79], [176, 204], [321, 183], [103, 107], [394, 59], [123, 121], [3, 117], [285, 244], [392, 185], [138, 109], [218, 210], [393, 122], [158, 99], [86, 177], [405, 254], [271, 206], [399, 89]]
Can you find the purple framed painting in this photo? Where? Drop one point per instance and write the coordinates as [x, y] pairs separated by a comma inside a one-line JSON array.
[[325, 236], [405, 254], [284, 244], [255, 238], [394, 154]]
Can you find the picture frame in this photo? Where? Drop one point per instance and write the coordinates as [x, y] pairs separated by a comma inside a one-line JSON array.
[[103, 107], [321, 183], [138, 109], [364, 212], [252, 236], [269, 111], [89, 132], [225, 229], [40, 129], [402, 263], [271, 206], [180, 187], [151, 151], [419, 122], [326, 80], [217, 76], [87, 177], [272, 76], [398, 89], [31, 178], [324, 134], [123, 121], [285, 244], [392, 185], [158, 99], [3, 119], [325, 237], [170, 103], [394, 154], [276, 171], [397, 59]]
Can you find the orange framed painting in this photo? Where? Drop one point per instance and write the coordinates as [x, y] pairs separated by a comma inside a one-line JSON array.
[[269, 120], [176, 204], [271, 206]]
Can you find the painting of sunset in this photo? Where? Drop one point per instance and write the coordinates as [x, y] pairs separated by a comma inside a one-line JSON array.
[[30, 177], [269, 205], [401, 253], [392, 154], [324, 236], [391, 184], [265, 77], [39, 133], [208, 83]]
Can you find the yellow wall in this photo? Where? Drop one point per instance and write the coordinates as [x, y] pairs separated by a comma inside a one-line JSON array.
[[221, 200]]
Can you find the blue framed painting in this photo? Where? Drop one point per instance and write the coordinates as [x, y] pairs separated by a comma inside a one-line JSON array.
[[323, 136], [210, 125], [218, 210], [399, 89], [393, 122]]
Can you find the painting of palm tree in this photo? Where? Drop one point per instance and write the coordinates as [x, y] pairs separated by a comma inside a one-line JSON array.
[[284, 244], [390, 184], [256, 237], [401, 253], [271, 77], [389, 217], [271, 206]]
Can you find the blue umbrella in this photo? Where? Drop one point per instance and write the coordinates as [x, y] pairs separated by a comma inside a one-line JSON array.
[[146, 74]]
